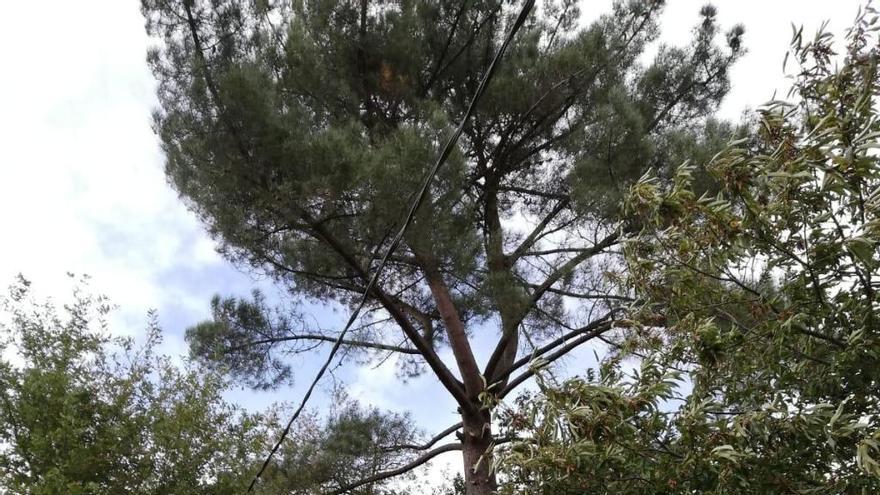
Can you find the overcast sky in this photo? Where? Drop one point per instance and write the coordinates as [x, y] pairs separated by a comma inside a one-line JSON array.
[[81, 182]]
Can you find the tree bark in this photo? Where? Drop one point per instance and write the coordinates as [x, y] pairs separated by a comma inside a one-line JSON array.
[[476, 439], [476, 436], [504, 289]]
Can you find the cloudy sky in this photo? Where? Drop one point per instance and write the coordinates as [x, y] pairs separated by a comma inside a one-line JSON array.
[[81, 182]]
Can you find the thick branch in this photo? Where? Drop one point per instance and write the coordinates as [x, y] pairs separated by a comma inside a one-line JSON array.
[[455, 331], [536, 232], [492, 365], [500, 269], [443, 373], [598, 328]]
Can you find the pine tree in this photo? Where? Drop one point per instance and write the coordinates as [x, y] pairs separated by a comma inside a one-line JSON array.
[[299, 132]]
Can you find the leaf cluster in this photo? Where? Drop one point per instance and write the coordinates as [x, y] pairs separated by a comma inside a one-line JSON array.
[[760, 296]]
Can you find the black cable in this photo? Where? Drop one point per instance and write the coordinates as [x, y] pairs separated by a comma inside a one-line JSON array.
[[447, 149]]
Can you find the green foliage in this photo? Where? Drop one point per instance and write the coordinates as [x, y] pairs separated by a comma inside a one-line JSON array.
[[760, 299], [296, 134], [346, 446], [585, 437], [240, 336], [83, 413]]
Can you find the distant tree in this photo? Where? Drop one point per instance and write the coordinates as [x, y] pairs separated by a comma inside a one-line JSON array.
[[453, 485], [757, 321], [84, 413], [298, 132], [330, 452]]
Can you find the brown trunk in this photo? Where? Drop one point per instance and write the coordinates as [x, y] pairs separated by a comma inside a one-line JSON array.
[[476, 439], [504, 293], [476, 436]]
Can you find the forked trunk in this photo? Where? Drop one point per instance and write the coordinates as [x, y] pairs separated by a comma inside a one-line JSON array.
[[477, 426]]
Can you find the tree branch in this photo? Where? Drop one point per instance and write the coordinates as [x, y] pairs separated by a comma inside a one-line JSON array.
[[440, 436], [455, 331], [578, 295], [443, 373], [436, 71], [571, 264], [554, 277], [326, 338], [469, 42], [534, 192], [595, 328], [598, 327], [384, 475], [452, 384], [533, 237]]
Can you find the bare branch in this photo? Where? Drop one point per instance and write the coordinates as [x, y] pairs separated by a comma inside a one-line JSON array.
[[579, 295], [536, 232], [540, 291], [592, 329], [326, 338], [571, 264], [598, 327], [384, 475], [440, 436], [534, 192]]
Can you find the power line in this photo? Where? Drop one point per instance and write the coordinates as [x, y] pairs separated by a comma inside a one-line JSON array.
[[447, 149]]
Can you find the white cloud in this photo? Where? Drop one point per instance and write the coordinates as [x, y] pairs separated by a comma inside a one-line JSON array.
[[768, 33], [81, 181]]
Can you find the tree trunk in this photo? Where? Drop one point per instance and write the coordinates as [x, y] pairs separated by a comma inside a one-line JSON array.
[[476, 436], [476, 439]]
